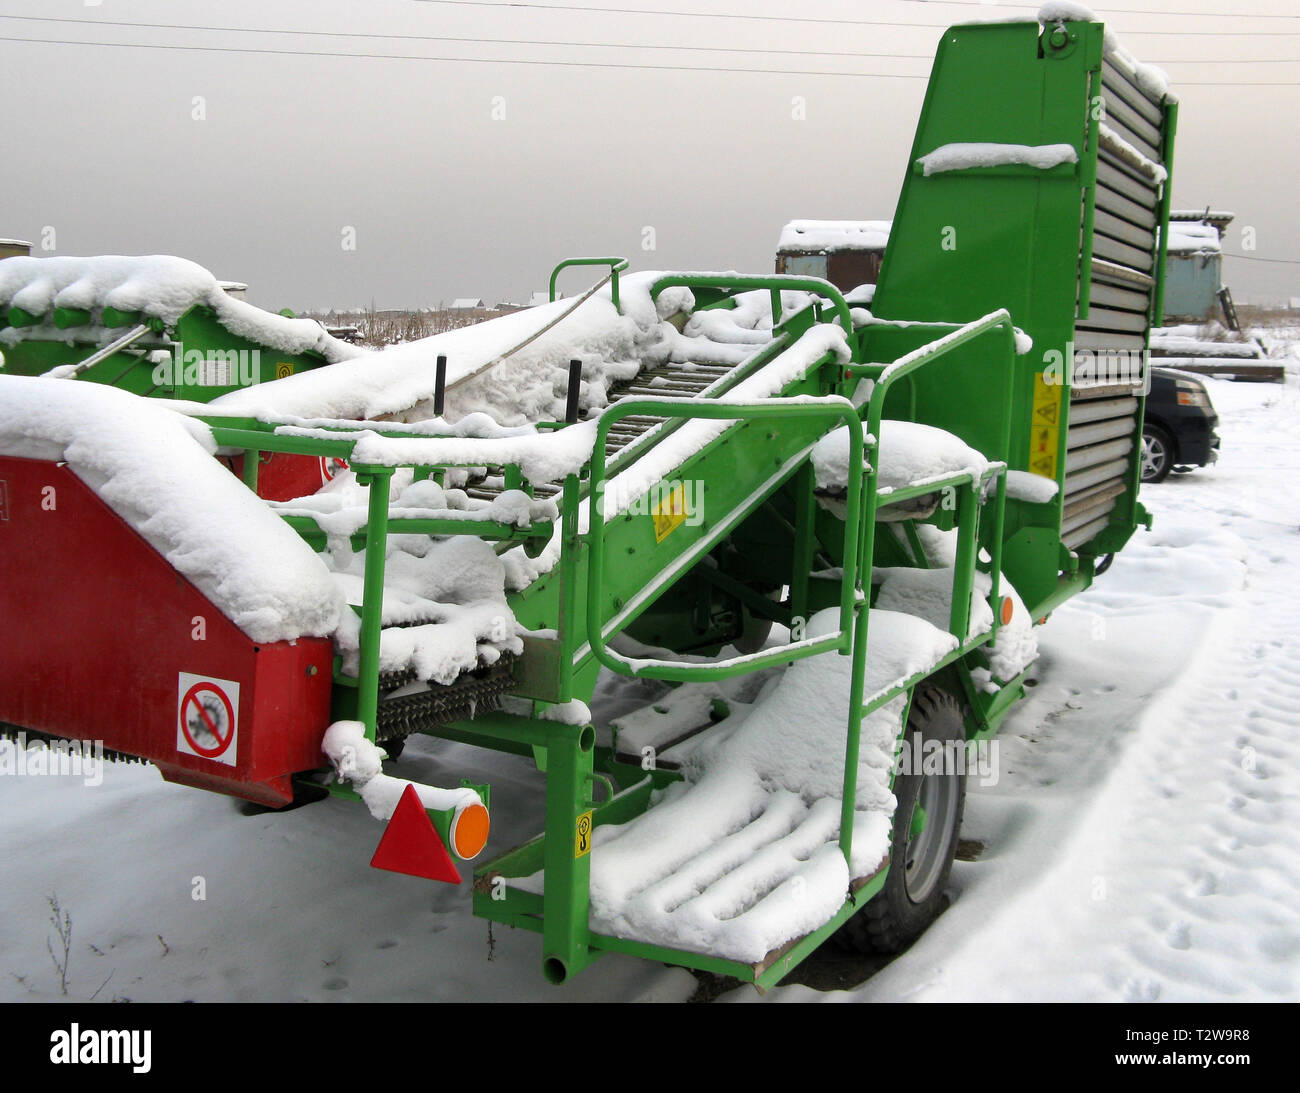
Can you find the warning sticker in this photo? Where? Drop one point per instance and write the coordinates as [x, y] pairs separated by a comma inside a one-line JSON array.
[[208, 718], [1045, 427], [669, 512], [283, 370], [582, 836], [330, 466]]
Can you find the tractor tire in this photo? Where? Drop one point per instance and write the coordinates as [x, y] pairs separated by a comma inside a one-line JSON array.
[[1157, 454], [923, 847]]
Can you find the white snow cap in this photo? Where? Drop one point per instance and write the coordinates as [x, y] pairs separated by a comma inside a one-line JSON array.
[[960, 156], [360, 761], [161, 287], [1153, 81], [1185, 238], [154, 468], [529, 383], [832, 235]]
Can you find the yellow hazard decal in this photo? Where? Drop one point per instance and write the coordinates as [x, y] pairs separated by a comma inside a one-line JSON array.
[[1044, 427], [669, 512], [283, 369], [582, 836]]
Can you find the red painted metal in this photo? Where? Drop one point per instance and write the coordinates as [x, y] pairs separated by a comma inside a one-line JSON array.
[[100, 631], [282, 476], [410, 844]]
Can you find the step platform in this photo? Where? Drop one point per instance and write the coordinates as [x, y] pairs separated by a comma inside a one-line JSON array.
[[742, 857]]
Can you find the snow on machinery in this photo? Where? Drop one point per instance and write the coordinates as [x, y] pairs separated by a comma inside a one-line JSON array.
[[680, 472]]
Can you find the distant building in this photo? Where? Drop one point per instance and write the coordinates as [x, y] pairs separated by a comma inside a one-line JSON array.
[[468, 304], [1194, 266], [15, 248], [539, 298], [847, 253], [236, 289]]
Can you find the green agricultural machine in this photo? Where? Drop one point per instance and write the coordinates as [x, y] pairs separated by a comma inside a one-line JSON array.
[[161, 327], [815, 546]]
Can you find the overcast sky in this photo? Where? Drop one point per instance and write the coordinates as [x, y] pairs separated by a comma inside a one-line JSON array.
[[472, 178]]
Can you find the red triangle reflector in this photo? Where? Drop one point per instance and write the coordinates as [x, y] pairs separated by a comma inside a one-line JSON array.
[[411, 845]]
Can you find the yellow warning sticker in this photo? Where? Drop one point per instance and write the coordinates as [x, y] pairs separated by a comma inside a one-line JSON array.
[[283, 369], [1045, 427], [669, 512], [582, 836]]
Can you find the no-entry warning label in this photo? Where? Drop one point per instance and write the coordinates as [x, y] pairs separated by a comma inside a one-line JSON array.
[[208, 718]]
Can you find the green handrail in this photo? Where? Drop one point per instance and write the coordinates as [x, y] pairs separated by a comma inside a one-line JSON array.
[[772, 283], [926, 354], [831, 406], [616, 265]]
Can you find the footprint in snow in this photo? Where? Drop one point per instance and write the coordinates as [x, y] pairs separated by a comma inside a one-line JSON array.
[[1141, 990], [1179, 936], [336, 984]]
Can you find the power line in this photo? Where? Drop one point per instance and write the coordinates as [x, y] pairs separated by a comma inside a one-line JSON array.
[[463, 40], [464, 60], [536, 62], [1101, 16], [512, 5], [579, 45], [1254, 258]]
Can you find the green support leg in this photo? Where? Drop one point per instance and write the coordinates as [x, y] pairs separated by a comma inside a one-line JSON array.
[[566, 931], [805, 544], [378, 480]]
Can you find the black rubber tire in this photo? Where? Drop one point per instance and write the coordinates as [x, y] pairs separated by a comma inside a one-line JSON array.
[[1157, 456], [894, 918]]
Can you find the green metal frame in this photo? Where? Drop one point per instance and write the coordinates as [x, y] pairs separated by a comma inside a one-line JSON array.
[[616, 266]]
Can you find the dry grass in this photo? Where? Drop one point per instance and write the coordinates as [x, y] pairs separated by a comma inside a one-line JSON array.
[[381, 328]]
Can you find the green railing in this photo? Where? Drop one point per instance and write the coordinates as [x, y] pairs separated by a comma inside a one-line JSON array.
[[616, 266], [884, 376], [254, 437], [832, 408], [771, 283]]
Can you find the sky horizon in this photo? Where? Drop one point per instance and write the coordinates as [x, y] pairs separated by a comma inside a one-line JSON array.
[[334, 154]]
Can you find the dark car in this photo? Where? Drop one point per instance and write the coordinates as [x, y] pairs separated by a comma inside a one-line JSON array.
[[1178, 432]]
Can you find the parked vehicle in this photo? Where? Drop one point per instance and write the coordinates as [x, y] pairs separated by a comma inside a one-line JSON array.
[[1178, 433]]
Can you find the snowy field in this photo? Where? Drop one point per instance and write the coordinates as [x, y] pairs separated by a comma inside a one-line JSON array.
[[1139, 844]]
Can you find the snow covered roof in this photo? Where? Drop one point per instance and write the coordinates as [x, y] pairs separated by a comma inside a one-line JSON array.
[[158, 286], [832, 235], [1210, 216], [1193, 238], [466, 303], [14, 243]]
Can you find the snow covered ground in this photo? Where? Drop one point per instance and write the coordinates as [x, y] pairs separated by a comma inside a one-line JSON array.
[[1139, 843]]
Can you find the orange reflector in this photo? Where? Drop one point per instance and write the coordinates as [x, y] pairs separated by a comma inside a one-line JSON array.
[[1008, 609], [469, 831]]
